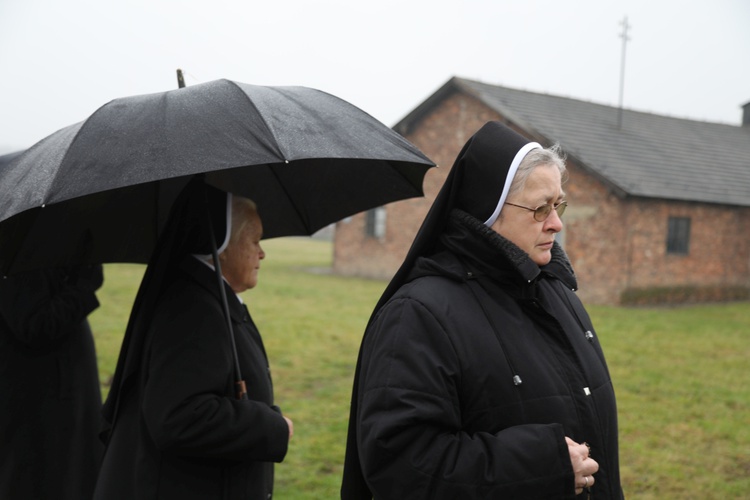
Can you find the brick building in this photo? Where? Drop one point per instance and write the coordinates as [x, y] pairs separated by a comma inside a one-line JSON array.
[[659, 207]]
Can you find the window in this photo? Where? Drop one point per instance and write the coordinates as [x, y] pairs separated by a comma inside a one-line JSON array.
[[678, 235], [375, 223]]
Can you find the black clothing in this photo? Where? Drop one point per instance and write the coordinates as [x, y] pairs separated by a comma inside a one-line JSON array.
[[440, 414], [180, 432], [49, 385]]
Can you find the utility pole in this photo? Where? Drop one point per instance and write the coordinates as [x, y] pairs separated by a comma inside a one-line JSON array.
[[625, 38]]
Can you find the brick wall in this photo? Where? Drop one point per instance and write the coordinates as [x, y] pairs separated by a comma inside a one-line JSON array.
[[593, 237], [617, 243], [718, 253]]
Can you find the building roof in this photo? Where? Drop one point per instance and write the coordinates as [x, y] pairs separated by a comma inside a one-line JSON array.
[[636, 153]]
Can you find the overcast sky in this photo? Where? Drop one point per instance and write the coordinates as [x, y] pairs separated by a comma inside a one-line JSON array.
[[62, 59]]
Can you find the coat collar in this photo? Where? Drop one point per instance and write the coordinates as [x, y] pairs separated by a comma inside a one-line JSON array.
[[205, 276], [488, 253]]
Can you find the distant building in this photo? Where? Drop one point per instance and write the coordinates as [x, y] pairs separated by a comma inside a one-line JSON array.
[[659, 207]]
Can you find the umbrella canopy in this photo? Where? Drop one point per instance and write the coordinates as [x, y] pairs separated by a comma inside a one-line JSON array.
[[100, 190]]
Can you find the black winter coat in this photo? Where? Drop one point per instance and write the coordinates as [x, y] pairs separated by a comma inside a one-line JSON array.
[[50, 399], [475, 371], [181, 433]]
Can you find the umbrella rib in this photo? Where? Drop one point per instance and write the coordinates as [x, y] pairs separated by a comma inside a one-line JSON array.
[[300, 214], [78, 133], [279, 152], [420, 185]]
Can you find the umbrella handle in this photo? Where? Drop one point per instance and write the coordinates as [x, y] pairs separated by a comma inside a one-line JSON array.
[[241, 389]]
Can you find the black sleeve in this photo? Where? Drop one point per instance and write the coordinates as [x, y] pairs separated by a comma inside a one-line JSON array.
[[42, 308], [186, 408], [410, 435]]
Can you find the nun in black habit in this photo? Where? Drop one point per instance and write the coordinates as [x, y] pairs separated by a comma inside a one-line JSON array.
[[480, 374], [178, 429]]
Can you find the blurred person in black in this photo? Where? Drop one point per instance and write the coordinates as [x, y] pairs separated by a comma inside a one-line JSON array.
[[49, 384]]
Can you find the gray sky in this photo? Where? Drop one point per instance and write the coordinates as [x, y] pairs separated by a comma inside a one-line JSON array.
[[62, 59]]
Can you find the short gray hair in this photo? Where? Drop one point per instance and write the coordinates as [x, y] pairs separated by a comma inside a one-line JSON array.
[[242, 208], [538, 157]]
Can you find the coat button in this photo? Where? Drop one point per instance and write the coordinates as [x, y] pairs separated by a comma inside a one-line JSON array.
[[589, 335]]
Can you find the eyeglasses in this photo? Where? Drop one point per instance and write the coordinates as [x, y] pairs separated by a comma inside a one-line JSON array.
[[542, 212]]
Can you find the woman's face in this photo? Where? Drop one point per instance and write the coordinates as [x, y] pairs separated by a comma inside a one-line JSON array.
[[543, 186], [240, 261]]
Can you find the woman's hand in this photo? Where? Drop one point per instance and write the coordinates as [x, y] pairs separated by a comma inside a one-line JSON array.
[[584, 467], [291, 427]]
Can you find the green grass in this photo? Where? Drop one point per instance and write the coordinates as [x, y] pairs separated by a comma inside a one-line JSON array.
[[682, 375], [682, 378]]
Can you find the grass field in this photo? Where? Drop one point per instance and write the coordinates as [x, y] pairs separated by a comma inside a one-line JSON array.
[[682, 376]]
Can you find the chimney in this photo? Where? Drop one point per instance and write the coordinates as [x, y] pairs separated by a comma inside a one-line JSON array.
[[746, 115]]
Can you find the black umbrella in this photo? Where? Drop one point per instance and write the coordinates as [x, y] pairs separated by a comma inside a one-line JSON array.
[[100, 190]]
